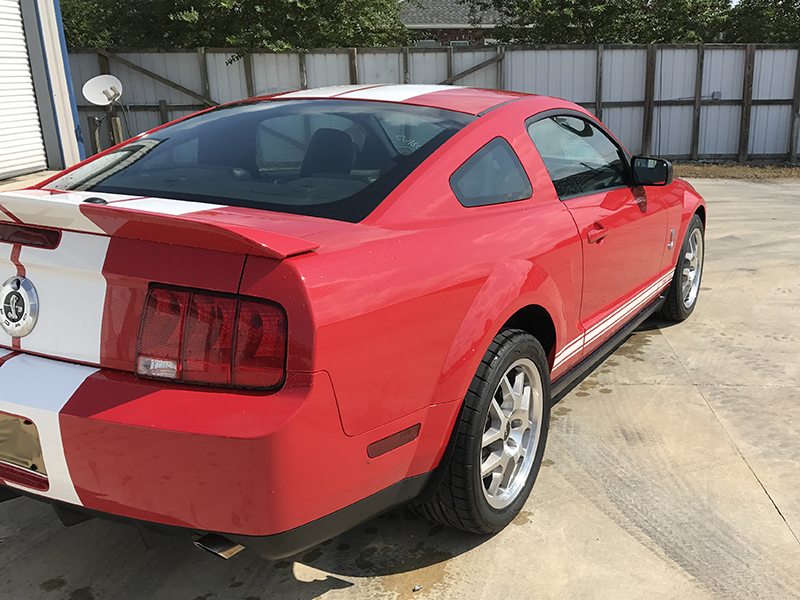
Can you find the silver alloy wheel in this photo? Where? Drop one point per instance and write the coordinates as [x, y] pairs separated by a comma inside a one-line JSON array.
[[692, 268], [511, 433]]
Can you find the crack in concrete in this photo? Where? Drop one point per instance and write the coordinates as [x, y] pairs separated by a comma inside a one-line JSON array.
[[728, 434]]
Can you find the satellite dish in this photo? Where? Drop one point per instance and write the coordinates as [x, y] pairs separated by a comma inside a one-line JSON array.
[[102, 90]]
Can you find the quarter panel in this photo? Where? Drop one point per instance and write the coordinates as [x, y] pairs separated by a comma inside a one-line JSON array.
[[408, 302], [387, 311]]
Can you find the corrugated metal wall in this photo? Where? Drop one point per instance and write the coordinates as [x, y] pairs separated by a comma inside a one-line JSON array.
[[623, 81], [569, 72], [773, 80], [676, 72], [21, 146]]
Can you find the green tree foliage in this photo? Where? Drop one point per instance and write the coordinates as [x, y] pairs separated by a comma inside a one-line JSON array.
[[606, 21], [765, 22], [274, 24]]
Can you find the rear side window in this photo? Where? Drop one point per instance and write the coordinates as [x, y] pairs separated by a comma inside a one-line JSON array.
[[492, 175], [579, 157]]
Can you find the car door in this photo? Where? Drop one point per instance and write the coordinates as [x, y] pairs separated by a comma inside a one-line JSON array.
[[622, 234]]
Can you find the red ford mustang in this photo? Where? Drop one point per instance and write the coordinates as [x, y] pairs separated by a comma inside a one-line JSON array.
[[268, 322]]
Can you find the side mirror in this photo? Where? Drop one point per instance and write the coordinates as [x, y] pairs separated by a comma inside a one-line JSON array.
[[651, 171]]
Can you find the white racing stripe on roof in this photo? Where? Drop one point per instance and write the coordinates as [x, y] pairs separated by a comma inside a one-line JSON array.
[[38, 388], [165, 206], [325, 92], [395, 93]]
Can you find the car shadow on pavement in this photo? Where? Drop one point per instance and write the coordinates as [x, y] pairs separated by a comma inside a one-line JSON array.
[[97, 559]]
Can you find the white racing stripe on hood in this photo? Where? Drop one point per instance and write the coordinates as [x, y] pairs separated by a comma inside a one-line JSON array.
[[38, 389]]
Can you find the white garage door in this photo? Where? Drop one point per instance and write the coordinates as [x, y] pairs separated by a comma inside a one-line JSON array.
[[21, 145]]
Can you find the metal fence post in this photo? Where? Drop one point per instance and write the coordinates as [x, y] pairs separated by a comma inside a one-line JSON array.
[[598, 85], [201, 58], [352, 55], [698, 97], [301, 59], [794, 129], [747, 101], [247, 63], [649, 100]]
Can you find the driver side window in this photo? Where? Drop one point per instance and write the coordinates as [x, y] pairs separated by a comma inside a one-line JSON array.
[[579, 157]]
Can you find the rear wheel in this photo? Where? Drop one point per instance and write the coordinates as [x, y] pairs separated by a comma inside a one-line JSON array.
[[500, 438], [685, 286]]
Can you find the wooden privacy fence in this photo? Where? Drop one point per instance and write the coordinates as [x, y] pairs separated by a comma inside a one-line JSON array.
[[701, 102]]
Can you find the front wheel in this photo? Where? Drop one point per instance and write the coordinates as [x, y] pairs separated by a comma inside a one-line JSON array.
[[685, 286], [500, 438]]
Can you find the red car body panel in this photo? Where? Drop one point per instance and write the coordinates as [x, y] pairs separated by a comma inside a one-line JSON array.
[[387, 321], [229, 462]]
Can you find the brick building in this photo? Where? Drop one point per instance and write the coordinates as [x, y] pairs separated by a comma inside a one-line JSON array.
[[447, 22]]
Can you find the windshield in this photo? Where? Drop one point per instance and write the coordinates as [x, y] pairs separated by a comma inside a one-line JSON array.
[[337, 159]]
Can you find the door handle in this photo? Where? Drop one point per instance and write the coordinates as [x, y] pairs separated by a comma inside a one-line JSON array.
[[596, 233]]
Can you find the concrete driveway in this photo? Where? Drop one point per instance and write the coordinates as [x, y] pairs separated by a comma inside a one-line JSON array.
[[673, 471]]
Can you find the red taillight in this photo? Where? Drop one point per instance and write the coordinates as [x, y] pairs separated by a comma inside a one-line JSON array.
[[161, 336], [260, 340], [208, 341], [212, 339]]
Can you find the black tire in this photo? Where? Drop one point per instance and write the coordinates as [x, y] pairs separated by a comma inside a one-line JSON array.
[[463, 499], [680, 304]]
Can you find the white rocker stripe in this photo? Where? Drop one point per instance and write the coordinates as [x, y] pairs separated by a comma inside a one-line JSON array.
[[613, 320], [569, 350], [630, 307]]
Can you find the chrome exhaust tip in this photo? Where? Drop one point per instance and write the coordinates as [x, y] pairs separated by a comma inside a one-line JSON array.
[[218, 545]]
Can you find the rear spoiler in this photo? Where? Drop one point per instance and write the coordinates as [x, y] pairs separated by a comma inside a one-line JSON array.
[[191, 224]]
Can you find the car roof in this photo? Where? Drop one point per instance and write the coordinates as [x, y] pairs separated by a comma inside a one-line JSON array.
[[460, 99]]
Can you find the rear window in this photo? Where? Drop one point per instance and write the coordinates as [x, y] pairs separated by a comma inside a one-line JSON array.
[[336, 159]]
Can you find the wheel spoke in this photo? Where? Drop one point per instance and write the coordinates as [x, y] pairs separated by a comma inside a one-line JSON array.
[[508, 469], [507, 391], [519, 386], [494, 484], [492, 462], [492, 436], [692, 250], [525, 397], [497, 415]]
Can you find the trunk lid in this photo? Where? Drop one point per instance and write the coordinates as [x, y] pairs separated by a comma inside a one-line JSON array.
[[92, 282]]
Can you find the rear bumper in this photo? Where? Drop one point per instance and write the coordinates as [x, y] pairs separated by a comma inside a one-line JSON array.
[[272, 547], [247, 464]]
